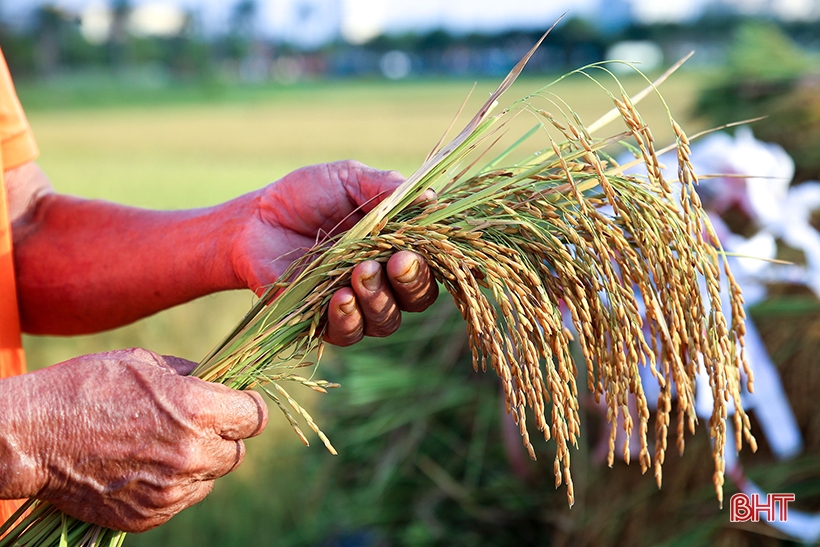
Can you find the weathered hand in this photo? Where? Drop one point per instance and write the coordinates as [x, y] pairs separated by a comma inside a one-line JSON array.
[[121, 439], [294, 213]]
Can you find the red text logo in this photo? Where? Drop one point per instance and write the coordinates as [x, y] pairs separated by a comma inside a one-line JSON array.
[[772, 507]]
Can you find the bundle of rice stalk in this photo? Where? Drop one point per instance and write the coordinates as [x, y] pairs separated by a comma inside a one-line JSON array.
[[513, 242]]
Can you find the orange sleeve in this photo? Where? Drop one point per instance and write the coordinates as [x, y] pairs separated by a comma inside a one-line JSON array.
[[17, 146], [16, 139]]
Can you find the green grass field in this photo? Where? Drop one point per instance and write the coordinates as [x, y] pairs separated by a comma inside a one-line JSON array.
[[197, 152]]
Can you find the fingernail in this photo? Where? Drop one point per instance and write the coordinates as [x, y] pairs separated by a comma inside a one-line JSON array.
[[373, 282], [410, 273], [428, 196], [348, 307]]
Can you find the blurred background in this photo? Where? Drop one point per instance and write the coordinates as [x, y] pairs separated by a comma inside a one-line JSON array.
[[188, 103]]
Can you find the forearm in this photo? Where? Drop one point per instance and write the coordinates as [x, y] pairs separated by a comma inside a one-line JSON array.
[[85, 266]]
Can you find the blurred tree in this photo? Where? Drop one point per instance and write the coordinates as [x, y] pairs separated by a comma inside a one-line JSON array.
[[438, 39], [118, 38], [242, 29], [768, 74], [49, 29], [243, 18], [188, 55], [580, 41], [18, 49]]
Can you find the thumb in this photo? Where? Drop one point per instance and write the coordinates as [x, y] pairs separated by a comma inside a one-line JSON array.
[[372, 186], [367, 187], [240, 414], [183, 367]]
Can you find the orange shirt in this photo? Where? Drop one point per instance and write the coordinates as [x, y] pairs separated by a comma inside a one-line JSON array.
[[17, 146]]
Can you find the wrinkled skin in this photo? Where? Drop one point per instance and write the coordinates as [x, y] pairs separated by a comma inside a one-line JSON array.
[[124, 439]]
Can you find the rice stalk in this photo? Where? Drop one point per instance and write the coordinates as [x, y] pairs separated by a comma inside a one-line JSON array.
[[632, 260]]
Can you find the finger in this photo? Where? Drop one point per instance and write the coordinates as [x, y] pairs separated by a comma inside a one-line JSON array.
[[225, 456], [413, 284], [199, 491], [191, 494], [428, 196], [242, 413], [183, 367], [382, 315], [345, 324], [138, 514], [368, 186]]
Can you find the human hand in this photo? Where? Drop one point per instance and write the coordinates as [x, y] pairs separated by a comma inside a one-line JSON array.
[[121, 439], [294, 213]]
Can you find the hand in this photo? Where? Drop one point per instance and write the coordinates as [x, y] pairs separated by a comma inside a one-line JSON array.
[[121, 439], [301, 209]]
